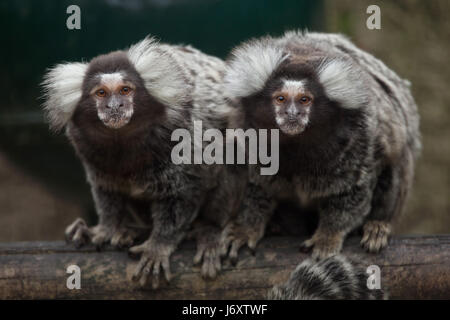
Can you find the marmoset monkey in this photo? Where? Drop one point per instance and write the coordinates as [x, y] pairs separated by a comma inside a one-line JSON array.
[[119, 111], [334, 278], [349, 137]]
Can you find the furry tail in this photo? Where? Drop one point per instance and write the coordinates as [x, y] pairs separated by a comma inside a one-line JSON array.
[[334, 278]]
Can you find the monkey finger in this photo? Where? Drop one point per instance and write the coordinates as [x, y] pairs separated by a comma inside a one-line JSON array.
[[212, 264], [204, 270], [225, 245], [212, 272], [208, 268], [384, 241], [236, 245], [306, 246], [138, 249], [364, 239], [318, 254], [166, 269], [368, 235], [252, 242], [74, 226], [99, 241], [155, 278], [218, 263], [80, 237], [143, 279], [199, 254], [123, 243], [139, 268], [380, 242], [205, 266], [223, 249], [120, 239]]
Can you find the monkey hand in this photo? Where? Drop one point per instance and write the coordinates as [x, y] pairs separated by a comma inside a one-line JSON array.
[[154, 256], [375, 235], [236, 234], [209, 250], [79, 233], [323, 244]]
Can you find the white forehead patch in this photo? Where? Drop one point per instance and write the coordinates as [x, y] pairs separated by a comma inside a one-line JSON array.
[[293, 87], [111, 79]]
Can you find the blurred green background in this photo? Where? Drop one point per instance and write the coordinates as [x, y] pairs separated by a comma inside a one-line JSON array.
[[42, 184]]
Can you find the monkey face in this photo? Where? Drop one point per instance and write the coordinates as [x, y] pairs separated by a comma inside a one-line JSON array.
[[113, 98], [292, 104], [294, 101]]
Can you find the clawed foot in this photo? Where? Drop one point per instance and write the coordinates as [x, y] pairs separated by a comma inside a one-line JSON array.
[[234, 236], [323, 245], [375, 235], [210, 251], [154, 256], [80, 234], [123, 238]]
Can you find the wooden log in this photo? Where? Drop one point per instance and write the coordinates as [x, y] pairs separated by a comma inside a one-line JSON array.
[[411, 268]]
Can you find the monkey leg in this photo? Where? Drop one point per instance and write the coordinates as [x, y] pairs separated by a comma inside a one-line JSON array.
[[250, 224], [388, 200], [172, 218], [209, 249], [338, 215], [111, 209], [80, 234], [220, 207]]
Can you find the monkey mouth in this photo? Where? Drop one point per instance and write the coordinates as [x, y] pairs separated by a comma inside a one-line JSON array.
[[292, 127], [115, 119]]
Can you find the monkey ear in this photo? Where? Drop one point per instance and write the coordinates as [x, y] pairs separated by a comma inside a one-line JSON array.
[[62, 91], [163, 76], [250, 66], [343, 82]]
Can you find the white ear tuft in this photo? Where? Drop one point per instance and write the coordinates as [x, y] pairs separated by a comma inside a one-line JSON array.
[[163, 77], [251, 66], [62, 91], [343, 83]]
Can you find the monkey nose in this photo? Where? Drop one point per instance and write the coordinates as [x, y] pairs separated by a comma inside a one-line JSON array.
[[292, 115], [114, 105], [292, 112]]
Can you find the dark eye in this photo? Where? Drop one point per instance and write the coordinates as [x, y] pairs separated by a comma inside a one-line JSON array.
[[125, 91], [280, 99], [100, 93], [305, 100]]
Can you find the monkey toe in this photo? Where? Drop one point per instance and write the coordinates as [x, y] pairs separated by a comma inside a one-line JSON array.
[[210, 256], [100, 238], [236, 236], [320, 253], [154, 257], [323, 245], [211, 266], [77, 233], [122, 239], [375, 236], [306, 246]]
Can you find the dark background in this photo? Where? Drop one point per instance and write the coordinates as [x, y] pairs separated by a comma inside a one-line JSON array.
[[42, 184]]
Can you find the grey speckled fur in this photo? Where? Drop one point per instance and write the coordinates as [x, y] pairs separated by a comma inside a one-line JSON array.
[[355, 160], [175, 85], [334, 278]]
